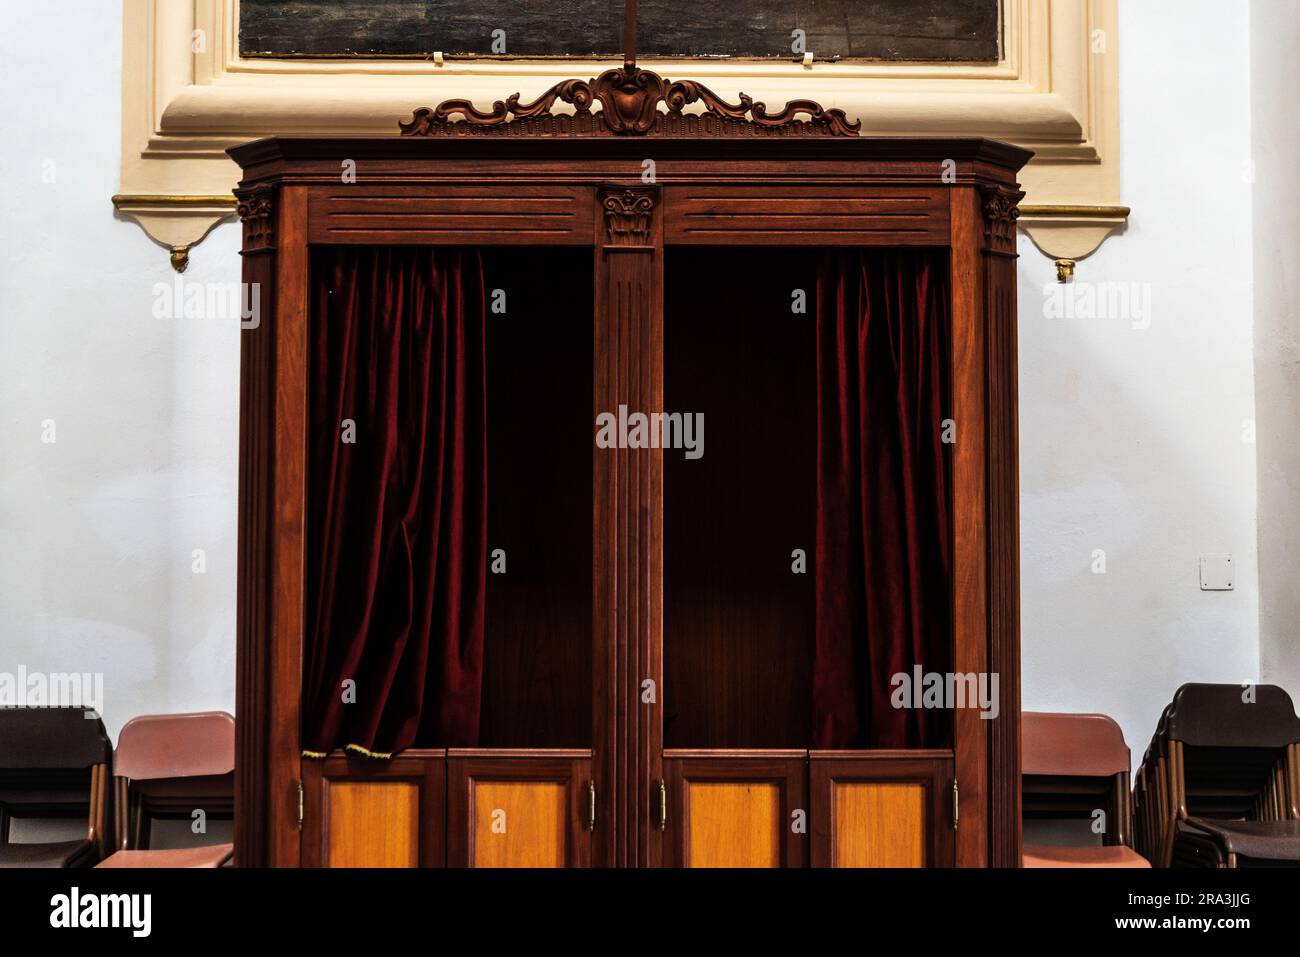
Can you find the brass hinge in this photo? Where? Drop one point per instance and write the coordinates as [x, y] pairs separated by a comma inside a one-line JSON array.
[[300, 803], [663, 804], [956, 804], [591, 805]]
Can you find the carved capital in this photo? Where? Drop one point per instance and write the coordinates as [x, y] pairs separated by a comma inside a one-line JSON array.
[[629, 100], [1001, 210], [256, 210], [628, 215]]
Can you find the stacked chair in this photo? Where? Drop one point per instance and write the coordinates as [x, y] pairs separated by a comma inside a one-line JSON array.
[[1072, 766], [169, 766], [53, 764], [1219, 785]]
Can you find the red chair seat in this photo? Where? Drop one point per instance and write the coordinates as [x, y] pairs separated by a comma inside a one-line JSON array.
[[213, 855], [1038, 855]]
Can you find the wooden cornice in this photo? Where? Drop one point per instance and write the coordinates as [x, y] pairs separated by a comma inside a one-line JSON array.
[[272, 152]]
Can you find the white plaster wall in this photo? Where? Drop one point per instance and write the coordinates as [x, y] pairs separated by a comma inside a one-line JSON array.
[[1275, 80], [97, 529], [1131, 439]]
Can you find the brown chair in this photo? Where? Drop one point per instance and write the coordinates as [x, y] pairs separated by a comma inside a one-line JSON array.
[[1073, 765], [168, 766], [53, 764], [1221, 780]]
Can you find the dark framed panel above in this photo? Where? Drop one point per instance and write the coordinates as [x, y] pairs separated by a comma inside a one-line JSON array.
[[891, 30]]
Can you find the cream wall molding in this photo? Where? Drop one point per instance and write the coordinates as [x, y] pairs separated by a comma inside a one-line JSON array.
[[188, 95]]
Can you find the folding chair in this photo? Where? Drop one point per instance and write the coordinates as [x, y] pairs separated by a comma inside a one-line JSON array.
[[1073, 766], [167, 767], [53, 764], [1220, 779]]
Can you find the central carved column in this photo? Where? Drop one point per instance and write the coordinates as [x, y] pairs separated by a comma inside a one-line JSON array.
[[628, 609]]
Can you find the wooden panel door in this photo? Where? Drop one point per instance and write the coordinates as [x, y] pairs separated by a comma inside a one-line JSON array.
[[882, 809], [359, 812], [533, 808], [735, 808]]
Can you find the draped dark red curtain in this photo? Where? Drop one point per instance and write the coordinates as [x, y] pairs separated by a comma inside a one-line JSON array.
[[397, 533], [883, 547]]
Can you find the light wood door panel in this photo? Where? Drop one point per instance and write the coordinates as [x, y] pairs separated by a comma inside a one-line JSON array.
[[519, 823], [525, 808], [882, 808], [736, 808], [359, 812], [734, 824], [879, 824], [373, 823]]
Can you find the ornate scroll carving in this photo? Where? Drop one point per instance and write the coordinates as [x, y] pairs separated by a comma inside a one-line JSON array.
[[629, 100], [627, 216], [1001, 210], [256, 210]]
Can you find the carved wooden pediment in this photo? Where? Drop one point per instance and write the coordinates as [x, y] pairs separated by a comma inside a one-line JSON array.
[[629, 99]]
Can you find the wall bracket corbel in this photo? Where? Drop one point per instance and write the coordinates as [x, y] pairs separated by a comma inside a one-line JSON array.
[[176, 223], [1068, 233]]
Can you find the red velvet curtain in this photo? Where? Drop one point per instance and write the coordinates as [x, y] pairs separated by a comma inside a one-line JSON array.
[[883, 603], [397, 519]]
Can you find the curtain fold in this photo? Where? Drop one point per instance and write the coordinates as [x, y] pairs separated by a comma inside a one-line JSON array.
[[883, 522], [397, 518]]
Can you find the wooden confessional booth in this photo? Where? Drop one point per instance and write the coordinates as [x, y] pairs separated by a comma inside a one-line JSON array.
[[487, 618]]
